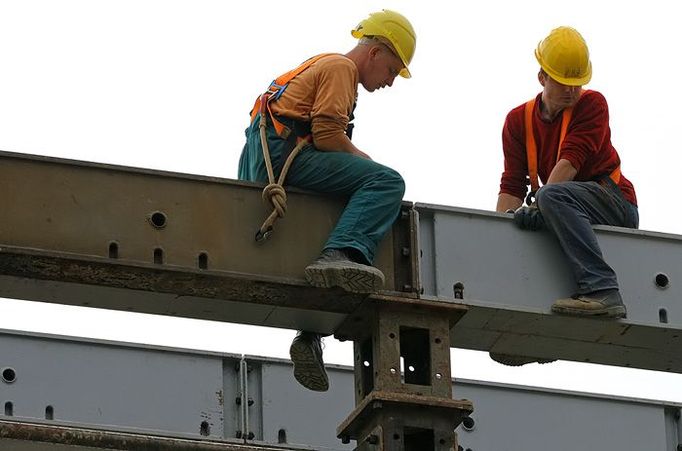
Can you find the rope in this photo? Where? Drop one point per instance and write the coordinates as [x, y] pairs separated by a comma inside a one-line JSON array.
[[274, 192]]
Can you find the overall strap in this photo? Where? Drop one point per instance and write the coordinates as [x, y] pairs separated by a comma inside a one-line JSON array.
[[277, 88]]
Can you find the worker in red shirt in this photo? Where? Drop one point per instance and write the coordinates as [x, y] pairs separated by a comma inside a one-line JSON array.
[[563, 137]]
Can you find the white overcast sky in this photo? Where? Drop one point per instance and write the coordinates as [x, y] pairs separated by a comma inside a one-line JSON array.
[[168, 85]]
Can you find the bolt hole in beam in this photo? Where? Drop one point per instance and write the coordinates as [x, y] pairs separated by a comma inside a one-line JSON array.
[[204, 429], [158, 219], [9, 375], [158, 256], [49, 413], [662, 280], [663, 316], [113, 249], [458, 290], [202, 260]]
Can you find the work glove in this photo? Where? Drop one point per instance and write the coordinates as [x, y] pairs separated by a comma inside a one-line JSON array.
[[529, 218]]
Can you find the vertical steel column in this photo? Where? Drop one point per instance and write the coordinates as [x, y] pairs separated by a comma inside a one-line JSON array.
[[403, 389]]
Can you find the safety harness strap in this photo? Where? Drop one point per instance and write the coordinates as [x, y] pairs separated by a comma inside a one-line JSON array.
[[276, 89], [531, 147]]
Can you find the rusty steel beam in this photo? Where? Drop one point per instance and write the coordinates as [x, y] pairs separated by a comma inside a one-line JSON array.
[[130, 239], [144, 216], [36, 437], [171, 290]]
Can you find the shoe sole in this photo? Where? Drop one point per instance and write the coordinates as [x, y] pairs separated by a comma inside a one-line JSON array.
[[307, 369], [355, 280], [616, 311], [517, 360]]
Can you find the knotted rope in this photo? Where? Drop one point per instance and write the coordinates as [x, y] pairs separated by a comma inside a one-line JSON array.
[[274, 192]]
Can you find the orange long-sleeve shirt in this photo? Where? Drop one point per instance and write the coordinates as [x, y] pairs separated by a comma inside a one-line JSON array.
[[322, 95]]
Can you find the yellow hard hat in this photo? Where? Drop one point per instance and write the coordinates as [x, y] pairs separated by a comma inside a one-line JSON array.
[[565, 57], [394, 27]]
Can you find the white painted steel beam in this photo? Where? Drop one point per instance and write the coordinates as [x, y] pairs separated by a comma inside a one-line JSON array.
[[509, 278]]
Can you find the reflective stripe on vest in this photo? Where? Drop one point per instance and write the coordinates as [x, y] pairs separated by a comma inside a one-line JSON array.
[[532, 150], [277, 88]]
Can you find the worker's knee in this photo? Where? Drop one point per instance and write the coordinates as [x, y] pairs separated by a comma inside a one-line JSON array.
[[549, 196], [398, 182], [394, 182]]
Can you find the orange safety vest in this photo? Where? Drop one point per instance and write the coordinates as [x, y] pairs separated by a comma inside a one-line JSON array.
[[277, 88], [532, 150]]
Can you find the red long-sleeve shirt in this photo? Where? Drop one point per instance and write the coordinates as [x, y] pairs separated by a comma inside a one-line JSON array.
[[587, 146]]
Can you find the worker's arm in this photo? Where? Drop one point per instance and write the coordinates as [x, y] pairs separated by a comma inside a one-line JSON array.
[[339, 143], [563, 172], [513, 185], [507, 202], [333, 105]]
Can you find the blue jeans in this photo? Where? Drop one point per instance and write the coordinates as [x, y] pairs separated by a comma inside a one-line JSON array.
[[375, 191], [569, 210]]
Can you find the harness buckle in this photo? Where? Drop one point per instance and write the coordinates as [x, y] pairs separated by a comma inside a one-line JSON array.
[[277, 92]]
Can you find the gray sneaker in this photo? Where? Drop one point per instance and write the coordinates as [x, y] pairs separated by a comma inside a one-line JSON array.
[[306, 354], [604, 303], [517, 360], [334, 268]]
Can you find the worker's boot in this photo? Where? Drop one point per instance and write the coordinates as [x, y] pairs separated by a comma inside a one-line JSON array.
[[517, 360], [604, 303], [335, 268], [306, 354]]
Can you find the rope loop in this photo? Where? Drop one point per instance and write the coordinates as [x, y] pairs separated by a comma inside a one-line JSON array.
[[275, 195]]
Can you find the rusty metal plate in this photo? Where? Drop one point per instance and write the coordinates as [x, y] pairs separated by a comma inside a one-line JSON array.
[[413, 410]]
